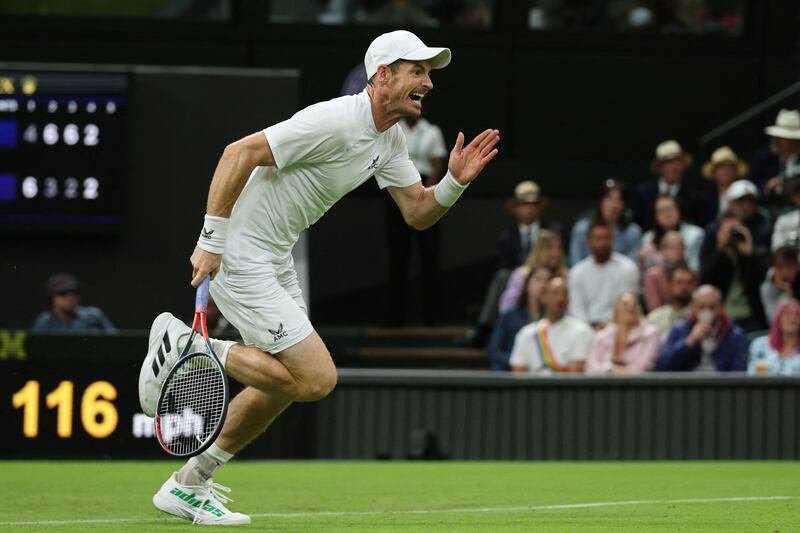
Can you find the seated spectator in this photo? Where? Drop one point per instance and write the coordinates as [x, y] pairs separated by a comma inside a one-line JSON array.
[[656, 281], [787, 227], [737, 267], [743, 203], [778, 352], [548, 252], [668, 218], [65, 315], [722, 169], [682, 283], [555, 344], [527, 309], [782, 281], [669, 165], [515, 243], [595, 282], [627, 345], [707, 340], [611, 211], [772, 165]]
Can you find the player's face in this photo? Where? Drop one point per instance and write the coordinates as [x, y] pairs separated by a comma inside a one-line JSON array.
[[408, 86]]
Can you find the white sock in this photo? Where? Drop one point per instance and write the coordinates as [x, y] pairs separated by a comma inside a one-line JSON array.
[[201, 468], [221, 348]]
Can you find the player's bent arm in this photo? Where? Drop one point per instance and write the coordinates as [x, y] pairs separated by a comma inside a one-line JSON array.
[[418, 205], [238, 161], [236, 164]]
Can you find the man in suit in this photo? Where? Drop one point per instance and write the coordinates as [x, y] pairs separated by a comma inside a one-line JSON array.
[[517, 241], [669, 165]]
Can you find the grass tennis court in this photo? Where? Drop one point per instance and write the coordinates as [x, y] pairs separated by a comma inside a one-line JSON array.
[[416, 496]]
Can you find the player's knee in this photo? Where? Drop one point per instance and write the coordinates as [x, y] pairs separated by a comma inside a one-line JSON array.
[[319, 387]]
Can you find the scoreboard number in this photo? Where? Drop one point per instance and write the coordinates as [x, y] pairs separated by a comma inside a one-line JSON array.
[[99, 416]]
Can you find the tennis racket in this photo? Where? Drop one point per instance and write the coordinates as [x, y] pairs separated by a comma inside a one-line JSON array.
[[193, 400]]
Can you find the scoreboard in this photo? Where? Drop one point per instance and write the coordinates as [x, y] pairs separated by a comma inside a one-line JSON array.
[[61, 150]]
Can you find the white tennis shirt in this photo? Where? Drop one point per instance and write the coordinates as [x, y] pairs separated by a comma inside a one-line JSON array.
[[321, 153]]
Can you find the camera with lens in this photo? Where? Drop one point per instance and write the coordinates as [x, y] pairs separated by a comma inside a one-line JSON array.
[[737, 236]]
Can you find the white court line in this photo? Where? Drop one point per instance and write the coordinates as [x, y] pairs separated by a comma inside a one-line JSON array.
[[517, 508]]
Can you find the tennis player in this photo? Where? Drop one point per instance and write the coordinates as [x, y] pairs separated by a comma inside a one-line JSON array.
[[267, 188]]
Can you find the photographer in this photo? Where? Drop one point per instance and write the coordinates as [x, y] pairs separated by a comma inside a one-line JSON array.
[[734, 256]]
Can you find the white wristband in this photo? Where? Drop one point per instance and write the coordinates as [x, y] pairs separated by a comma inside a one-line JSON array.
[[448, 190], [212, 236]]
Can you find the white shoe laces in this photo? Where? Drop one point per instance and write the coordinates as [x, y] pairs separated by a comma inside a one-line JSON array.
[[216, 497]]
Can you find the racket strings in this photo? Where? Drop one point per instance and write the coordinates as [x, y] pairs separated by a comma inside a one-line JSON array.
[[192, 404]]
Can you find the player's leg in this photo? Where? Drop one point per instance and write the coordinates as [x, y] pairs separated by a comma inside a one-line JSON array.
[[303, 372], [311, 376], [250, 413], [256, 407]]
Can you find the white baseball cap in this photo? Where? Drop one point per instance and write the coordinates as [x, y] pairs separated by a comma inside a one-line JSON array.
[[402, 44], [740, 189]]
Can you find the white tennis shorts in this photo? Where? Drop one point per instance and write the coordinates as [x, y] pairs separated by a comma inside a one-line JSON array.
[[264, 303]]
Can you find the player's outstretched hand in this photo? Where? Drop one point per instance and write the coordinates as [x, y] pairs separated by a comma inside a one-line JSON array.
[[466, 162], [203, 264]]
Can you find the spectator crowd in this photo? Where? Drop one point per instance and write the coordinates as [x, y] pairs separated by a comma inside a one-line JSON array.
[[665, 277]]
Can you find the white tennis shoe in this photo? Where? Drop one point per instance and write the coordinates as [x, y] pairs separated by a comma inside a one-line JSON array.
[[168, 336], [202, 504]]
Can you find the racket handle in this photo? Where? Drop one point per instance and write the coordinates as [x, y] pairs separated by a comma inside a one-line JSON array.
[[201, 299]]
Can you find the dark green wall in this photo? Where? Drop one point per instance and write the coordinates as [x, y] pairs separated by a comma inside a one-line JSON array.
[[573, 109]]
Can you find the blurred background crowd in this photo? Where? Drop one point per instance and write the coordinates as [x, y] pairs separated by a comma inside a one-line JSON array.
[[689, 264]]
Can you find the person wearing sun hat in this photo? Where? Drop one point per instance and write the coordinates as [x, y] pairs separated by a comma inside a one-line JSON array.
[[526, 206], [771, 165], [669, 165], [722, 169]]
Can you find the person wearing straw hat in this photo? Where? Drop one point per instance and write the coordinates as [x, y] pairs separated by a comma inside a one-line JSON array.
[[722, 169], [526, 206], [771, 166], [669, 165]]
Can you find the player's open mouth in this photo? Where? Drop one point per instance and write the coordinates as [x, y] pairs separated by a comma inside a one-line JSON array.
[[417, 96]]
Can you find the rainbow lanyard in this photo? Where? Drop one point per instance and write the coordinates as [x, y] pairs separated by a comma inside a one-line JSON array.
[[545, 350]]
